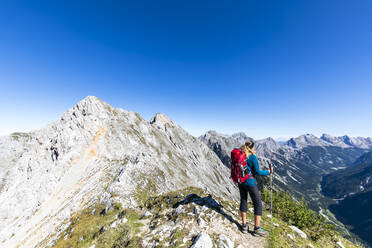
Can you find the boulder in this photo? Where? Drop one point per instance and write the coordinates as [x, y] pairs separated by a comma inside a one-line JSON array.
[[298, 231], [203, 240], [225, 242], [201, 222], [290, 236], [339, 244]]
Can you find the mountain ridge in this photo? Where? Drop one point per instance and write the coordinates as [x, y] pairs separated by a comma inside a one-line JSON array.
[[96, 153], [111, 158]]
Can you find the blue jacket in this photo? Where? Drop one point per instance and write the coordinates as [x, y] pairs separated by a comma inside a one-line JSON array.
[[252, 162]]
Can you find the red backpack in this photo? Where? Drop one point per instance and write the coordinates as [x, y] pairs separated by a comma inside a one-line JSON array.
[[239, 169]]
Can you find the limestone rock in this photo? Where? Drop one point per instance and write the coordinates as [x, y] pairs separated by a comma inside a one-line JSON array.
[[201, 222], [203, 240], [339, 244], [225, 242], [298, 231]]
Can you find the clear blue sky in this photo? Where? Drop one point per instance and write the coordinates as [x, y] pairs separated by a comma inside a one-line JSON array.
[[268, 68]]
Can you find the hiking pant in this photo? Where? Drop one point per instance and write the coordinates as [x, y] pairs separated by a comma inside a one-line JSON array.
[[255, 196]]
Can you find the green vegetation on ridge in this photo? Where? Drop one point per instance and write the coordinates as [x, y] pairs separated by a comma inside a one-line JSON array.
[[92, 226]]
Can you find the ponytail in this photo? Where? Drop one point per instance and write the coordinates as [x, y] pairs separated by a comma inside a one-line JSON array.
[[247, 148]]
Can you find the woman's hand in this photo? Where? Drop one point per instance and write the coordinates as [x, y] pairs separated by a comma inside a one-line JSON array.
[[271, 169]]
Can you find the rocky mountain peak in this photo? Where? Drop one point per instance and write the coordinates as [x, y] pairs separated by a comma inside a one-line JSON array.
[[264, 147], [365, 143], [91, 103], [213, 133], [327, 137], [270, 142], [89, 107], [162, 120], [334, 140], [306, 140], [241, 137]]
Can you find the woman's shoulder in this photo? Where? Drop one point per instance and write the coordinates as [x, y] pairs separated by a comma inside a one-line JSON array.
[[252, 156]]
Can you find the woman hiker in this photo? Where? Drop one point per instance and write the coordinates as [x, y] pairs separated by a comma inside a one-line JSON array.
[[250, 186]]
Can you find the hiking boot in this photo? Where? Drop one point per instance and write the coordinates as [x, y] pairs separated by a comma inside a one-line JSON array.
[[244, 228], [259, 232]]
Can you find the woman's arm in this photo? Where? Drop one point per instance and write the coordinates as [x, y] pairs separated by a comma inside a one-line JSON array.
[[257, 167]]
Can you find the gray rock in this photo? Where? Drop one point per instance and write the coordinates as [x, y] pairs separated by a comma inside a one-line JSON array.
[[298, 231], [201, 222], [203, 240], [224, 242], [223, 144], [339, 244], [114, 224], [195, 210], [147, 214], [179, 210], [124, 220], [290, 236]]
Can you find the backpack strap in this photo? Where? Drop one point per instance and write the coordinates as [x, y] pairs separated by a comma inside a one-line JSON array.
[[250, 174]]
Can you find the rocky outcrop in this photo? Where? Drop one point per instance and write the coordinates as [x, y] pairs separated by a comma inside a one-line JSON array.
[[299, 232], [203, 240], [222, 144]]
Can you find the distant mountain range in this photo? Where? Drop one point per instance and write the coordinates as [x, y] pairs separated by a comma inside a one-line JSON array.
[[300, 162], [316, 168], [329, 140]]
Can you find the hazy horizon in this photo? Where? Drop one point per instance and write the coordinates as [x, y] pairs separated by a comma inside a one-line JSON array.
[[277, 138]]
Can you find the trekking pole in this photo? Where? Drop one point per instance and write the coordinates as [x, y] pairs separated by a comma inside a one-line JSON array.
[[271, 197]]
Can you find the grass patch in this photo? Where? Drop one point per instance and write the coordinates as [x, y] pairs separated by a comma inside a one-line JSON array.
[[144, 191], [92, 227], [290, 212], [299, 215], [18, 135]]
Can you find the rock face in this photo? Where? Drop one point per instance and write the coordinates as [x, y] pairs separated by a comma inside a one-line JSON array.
[[225, 242], [222, 144], [352, 187], [96, 153], [351, 180], [306, 140]]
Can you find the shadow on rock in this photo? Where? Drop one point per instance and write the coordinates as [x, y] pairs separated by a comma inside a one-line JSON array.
[[208, 202]]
